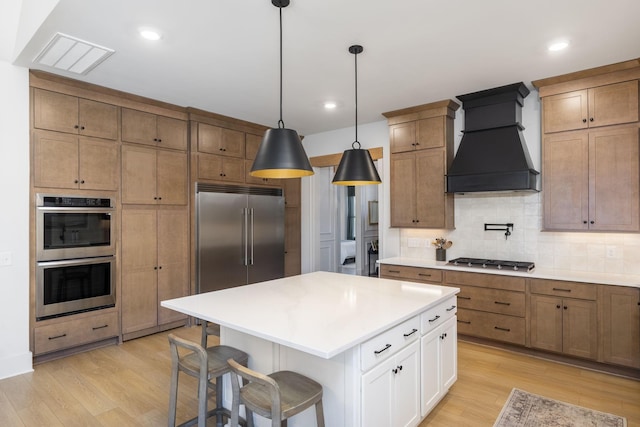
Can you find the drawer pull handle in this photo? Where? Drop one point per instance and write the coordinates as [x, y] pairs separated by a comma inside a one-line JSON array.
[[502, 303], [58, 336], [502, 329], [95, 328], [413, 331], [466, 322], [424, 274], [451, 308], [386, 347], [461, 297], [434, 319], [562, 290], [394, 271]]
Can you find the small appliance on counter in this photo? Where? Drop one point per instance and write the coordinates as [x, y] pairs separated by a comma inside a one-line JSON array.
[[524, 266]]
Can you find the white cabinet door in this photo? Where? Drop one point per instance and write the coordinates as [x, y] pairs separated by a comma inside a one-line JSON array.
[[391, 391], [431, 379], [407, 386], [377, 390], [439, 363], [449, 354]]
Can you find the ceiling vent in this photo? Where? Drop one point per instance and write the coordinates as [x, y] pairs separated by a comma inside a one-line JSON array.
[[71, 54]]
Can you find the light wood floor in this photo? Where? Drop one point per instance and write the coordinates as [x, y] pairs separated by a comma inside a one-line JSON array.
[[128, 385]]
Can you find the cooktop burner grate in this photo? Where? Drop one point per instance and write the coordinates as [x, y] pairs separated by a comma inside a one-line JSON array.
[[493, 264]]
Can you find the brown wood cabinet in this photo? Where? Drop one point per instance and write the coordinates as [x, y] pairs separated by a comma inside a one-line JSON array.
[[141, 127], [220, 141], [414, 274], [292, 232], [70, 114], [490, 306], [153, 176], [155, 267], [220, 168], [592, 180], [76, 330], [620, 333], [564, 317], [599, 106], [68, 161], [421, 141]]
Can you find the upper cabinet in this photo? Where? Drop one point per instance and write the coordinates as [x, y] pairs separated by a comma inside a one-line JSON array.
[[150, 129], [599, 106], [220, 141], [421, 141], [70, 114], [68, 161], [590, 155], [417, 135]]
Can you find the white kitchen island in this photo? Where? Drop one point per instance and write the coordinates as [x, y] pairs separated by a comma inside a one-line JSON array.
[[384, 350]]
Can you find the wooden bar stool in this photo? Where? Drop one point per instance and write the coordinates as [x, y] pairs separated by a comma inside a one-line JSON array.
[[277, 396], [204, 364], [208, 329]]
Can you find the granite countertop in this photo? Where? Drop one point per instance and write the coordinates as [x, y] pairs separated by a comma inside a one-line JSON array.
[[319, 313], [537, 273]]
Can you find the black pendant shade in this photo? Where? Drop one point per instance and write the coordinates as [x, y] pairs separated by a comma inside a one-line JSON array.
[[356, 168], [281, 154], [356, 165]]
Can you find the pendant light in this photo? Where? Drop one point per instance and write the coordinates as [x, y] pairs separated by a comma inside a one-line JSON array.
[[281, 154], [356, 166]]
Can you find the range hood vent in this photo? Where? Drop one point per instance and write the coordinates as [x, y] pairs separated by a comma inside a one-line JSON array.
[[493, 155]]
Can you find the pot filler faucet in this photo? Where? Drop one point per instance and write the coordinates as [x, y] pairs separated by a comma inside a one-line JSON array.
[[500, 227]]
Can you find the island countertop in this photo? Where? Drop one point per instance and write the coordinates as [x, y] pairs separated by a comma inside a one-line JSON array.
[[319, 313]]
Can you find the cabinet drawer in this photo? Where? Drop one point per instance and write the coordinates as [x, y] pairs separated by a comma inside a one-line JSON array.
[[437, 315], [498, 327], [75, 332], [482, 280], [492, 300], [564, 289], [387, 343], [430, 275]]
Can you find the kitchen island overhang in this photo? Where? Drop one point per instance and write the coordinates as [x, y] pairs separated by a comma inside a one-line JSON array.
[[317, 323]]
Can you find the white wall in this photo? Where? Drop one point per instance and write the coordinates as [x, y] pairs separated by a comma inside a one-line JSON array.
[[597, 252], [15, 357]]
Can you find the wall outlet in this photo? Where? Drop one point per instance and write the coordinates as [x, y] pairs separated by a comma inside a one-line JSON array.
[[413, 242], [6, 258], [612, 251]]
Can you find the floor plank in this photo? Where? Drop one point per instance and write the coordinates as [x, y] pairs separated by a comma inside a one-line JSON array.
[[128, 384]]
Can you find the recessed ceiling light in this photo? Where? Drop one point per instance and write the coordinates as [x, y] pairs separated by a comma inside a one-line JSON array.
[[559, 45], [149, 34], [330, 105]]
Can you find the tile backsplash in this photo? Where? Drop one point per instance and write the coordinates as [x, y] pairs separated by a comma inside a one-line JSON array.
[[597, 252]]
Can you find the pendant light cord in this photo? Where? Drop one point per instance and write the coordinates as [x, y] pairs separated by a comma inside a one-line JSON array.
[[280, 122]]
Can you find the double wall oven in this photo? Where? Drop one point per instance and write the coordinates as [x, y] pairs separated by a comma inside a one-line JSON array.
[[75, 253]]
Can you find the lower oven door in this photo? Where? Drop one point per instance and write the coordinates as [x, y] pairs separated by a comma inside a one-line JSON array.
[[73, 286]]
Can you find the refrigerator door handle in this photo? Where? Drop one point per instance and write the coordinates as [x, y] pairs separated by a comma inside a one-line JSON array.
[[251, 258], [245, 232]]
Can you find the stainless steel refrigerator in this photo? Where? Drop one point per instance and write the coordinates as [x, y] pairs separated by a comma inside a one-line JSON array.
[[240, 236]]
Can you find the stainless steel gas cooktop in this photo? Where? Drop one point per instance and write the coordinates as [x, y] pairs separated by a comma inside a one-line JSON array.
[[494, 264]]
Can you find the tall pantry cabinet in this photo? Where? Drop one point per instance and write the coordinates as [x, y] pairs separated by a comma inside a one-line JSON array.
[[155, 220]]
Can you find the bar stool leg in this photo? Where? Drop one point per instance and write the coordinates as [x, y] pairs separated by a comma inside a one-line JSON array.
[[219, 401], [202, 398], [319, 414], [173, 393]]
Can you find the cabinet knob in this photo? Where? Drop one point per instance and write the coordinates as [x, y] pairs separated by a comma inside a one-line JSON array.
[[400, 368], [591, 119], [76, 127], [592, 222], [584, 222], [159, 140], [75, 181], [81, 127], [82, 181], [565, 307], [155, 198], [558, 306], [584, 120], [395, 370], [155, 268], [155, 139], [159, 198]]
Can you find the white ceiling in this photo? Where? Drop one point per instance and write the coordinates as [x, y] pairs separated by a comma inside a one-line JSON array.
[[222, 56]]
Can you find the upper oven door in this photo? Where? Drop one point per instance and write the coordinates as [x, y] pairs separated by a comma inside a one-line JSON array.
[[67, 233]]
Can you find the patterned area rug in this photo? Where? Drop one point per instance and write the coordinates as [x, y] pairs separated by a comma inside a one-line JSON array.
[[524, 409]]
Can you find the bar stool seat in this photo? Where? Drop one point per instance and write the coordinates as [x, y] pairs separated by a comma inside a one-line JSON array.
[[277, 396], [204, 364]]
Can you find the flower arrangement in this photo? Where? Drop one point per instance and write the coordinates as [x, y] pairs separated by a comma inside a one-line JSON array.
[[442, 243]]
